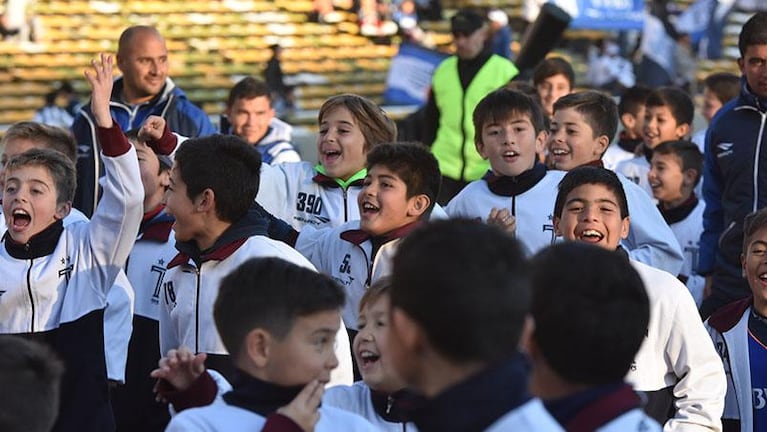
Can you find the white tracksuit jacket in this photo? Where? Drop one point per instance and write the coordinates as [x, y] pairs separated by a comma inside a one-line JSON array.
[[678, 354]]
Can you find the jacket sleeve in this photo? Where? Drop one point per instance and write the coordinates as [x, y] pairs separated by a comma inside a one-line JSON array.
[[112, 231], [713, 215], [118, 325], [650, 239], [701, 386]]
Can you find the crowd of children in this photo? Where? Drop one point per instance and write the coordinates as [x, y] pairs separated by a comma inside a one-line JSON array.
[[562, 291]]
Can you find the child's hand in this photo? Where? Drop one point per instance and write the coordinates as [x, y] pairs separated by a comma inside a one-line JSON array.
[[152, 129], [180, 368], [303, 409], [503, 219], [100, 79]]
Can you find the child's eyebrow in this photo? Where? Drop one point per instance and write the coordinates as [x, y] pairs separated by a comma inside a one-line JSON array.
[[758, 243], [325, 330], [387, 176]]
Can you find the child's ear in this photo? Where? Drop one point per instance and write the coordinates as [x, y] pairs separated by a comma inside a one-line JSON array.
[[689, 175], [628, 120], [165, 179], [682, 130], [743, 266], [625, 225], [540, 141], [205, 201], [601, 146], [417, 205], [556, 226], [62, 210], [258, 347], [480, 147]]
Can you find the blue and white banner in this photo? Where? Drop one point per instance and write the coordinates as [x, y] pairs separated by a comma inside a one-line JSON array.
[[604, 14], [410, 74]]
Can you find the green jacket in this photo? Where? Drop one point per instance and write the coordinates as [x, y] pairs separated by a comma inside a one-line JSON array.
[[454, 144]]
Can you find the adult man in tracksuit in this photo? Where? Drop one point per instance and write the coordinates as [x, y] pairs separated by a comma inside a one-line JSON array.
[[143, 90], [735, 171], [458, 84]]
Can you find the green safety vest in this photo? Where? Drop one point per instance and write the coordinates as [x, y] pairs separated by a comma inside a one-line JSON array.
[[454, 145]]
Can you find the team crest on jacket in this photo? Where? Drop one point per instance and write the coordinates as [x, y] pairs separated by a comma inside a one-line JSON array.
[[66, 271]]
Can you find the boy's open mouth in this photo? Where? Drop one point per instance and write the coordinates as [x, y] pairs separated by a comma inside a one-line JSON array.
[[21, 219], [369, 208], [591, 236], [368, 357]]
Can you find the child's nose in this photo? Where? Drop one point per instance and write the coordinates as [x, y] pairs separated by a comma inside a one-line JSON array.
[[332, 362]]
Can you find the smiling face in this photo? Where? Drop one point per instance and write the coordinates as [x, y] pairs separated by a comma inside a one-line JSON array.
[[144, 65], [383, 202], [306, 352], [30, 202], [340, 144], [187, 226], [591, 214], [512, 146], [660, 125], [370, 344], [572, 142], [551, 89], [753, 65], [250, 118], [754, 263], [670, 185]]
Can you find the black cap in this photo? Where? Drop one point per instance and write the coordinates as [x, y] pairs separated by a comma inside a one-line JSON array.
[[466, 21]]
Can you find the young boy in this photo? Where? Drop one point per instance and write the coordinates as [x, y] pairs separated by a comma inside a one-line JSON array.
[[213, 184], [739, 332], [459, 300], [631, 110], [249, 115], [676, 368], [669, 113], [718, 89], [56, 277], [583, 126], [510, 133], [675, 170], [279, 322], [380, 397], [399, 191], [587, 392], [553, 78]]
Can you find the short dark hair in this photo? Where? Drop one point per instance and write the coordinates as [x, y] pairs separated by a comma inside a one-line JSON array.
[[677, 100], [270, 293], [633, 99], [724, 85], [60, 167], [594, 304], [248, 88], [688, 153], [597, 109], [226, 165], [466, 285], [30, 376], [590, 175], [502, 104], [376, 126], [752, 223], [52, 137], [553, 66], [414, 164], [754, 32]]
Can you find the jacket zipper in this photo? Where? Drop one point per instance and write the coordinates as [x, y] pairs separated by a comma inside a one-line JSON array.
[[31, 299], [197, 313], [346, 205]]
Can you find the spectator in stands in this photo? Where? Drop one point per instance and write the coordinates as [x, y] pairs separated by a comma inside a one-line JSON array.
[[718, 89], [458, 84], [143, 90], [501, 33], [283, 98], [733, 171], [250, 115], [52, 113], [554, 77], [608, 70]]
